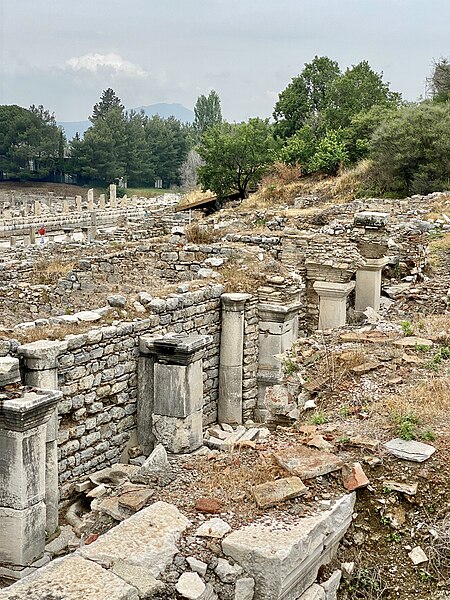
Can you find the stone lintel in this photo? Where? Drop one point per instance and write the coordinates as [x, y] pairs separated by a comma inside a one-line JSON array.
[[29, 411], [278, 313], [371, 219], [234, 302], [330, 289], [375, 264], [175, 349], [42, 354]]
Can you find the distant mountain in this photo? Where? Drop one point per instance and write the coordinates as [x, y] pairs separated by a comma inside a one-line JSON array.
[[162, 109]]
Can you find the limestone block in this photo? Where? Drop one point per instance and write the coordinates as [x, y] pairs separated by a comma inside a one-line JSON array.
[[284, 561], [22, 476], [42, 354], [9, 370], [179, 435], [371, 219], [273, 492], [315, 592], [307, 463], [22, 538], [178, 389], [410, 450], [245, 589], [71, 578], [147, 539], [190, 586], [138, 577], [331, 585]]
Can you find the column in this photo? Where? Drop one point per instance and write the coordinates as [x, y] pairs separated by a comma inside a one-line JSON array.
[[175, 376], [78, 203], [112, 196], [101, 202], [368, 284], [41, 370], [65, 206], [124, 201], [231, 358], [37, 208], [22, 480], [278, 329], [332, 302], [90, 199], [32, 236]]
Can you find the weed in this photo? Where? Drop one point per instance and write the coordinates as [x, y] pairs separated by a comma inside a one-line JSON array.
[[407, 426], [344, 440], [422, 348], [407, 328], [367, 584], [394, 536], [442, 354], [428, 435], [289, 366], [319, 418], [344, 411], [195, 234]]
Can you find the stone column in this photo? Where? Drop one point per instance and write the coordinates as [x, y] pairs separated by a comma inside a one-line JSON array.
[[332, 302], [368, 284], [41, 370], [78, 203], [174, 384], [112, 196], [65, 206], [32, 236], [124, 202], [231, 358], [101, 202], [37, 208], [90, 199], [22, 478], [278, 329]]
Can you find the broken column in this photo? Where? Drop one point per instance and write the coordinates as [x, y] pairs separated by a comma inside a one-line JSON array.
[[170, 399], [90, 199], [22, 476], [113, 196], [41, 371], [231, 358], [368, 284], [78, 203], [332, 302]]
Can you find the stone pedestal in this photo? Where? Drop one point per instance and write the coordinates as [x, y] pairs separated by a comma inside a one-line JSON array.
[[65, 206], [368, 284], [231, 358], [22, 476], [90, 199], [37, 208], [41, 370], [278, 329], [112, 196], [332, 302], [170, 392]]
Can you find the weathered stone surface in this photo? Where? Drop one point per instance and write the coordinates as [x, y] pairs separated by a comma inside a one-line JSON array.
[[226, 572], [198, 566], [147, 539], [60, 544], [307, 463], [71, 578], [157, 467], [410, 489], [409, 450], [331, 585], [208, 505], [284, 561], [353, 477], [215, 528], [9, 370], [115, 475], [117, 301], [418, 556], [245, 589], [190, 586], [412, 341], [315, 592], [272, 492], [138, 577], [179, 435], [135, 499]]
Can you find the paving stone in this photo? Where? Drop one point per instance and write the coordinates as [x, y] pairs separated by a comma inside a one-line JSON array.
[[190, 586], [135, 499], [273, 492], [215, 528], [307, 463], [139, 577], [409, 450]]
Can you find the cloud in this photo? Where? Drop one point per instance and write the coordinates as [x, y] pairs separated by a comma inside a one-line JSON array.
[[93, 62]]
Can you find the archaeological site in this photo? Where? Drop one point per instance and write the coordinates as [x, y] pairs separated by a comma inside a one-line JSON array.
[[244, 402]]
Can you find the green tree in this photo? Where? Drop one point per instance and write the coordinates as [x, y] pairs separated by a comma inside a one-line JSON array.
[[108, 100], [356, 91], [440, 80], [304, 99], [411, 150], [166, 148], [299, 148], [207, 113], [330, 153], [235, 156], [359, 132]]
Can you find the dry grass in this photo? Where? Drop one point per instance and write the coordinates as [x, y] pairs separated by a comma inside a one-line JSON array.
[[438, 207], [52, 332], [434, 325], [195, 196], [49, 272], [196, 234], [241, 278]]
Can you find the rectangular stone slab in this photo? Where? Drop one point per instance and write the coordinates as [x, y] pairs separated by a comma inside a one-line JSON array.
[[71, 578], [273, 492], [307, 463]]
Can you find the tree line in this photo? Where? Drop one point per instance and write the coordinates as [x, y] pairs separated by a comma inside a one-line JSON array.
[[324, 120]]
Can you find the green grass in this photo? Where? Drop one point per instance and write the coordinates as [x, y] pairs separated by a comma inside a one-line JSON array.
[[140, 192]]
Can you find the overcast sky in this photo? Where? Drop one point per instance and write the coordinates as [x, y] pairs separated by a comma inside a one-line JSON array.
[[63, 53]]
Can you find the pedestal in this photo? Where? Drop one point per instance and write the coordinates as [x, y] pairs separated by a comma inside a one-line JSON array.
[[368, 284], [332, 303]]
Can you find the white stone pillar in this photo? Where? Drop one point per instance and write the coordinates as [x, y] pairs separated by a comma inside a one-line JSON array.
[[32, 236], [37, 208], [332, 302], [124, 201], [278, 329], [41, 371], [231, 358], [65, 206], [368, 284], [78, 203], [22, 478], [90, 199], [113, 196], [176, 394], [101, 202]]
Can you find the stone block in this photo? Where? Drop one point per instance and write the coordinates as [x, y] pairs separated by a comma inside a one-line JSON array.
[[22, 537], [273, 492], [9, 370], [179, 435], [307, 463], [178, 389], [71, 578]]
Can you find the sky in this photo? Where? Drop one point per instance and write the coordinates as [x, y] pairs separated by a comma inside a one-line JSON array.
[[63, 53]]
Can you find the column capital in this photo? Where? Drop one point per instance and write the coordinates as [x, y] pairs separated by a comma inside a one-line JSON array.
[[30, 410], [42, 354], [278, 313], [233, 301], [175, 349], [375, 264], [329, 289]]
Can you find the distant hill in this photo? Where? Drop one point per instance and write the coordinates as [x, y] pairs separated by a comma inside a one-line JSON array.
[[162, 109]]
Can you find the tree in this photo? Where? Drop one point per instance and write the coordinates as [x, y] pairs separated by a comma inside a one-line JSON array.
[[108, 100], [356, 91], [411, 150], [330, 153], [359, 132], [440, 80], [236, 156], [304, 99], [207, 113], [189, 170], [167, 148]]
